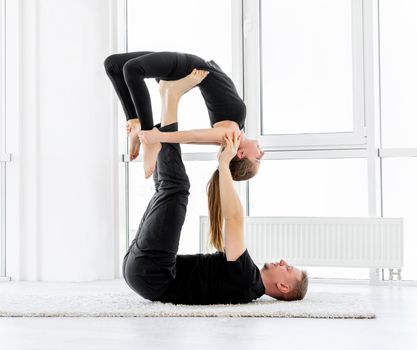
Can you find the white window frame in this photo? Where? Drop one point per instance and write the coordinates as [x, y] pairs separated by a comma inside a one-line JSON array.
[[3, 156], [9, 117], [253, 88]]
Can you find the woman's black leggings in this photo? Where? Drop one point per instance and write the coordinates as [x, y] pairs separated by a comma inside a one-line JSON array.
[[127, 72]]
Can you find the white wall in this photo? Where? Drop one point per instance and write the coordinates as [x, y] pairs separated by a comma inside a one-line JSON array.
[[62, 181]]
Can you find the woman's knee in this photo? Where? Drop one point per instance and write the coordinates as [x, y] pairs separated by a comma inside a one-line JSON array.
[[132, 69], [112, 64]]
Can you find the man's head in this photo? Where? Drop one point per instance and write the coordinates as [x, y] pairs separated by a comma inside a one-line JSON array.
[[283, 281]]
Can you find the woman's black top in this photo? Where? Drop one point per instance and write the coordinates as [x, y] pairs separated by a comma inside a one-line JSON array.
[[220, 95]]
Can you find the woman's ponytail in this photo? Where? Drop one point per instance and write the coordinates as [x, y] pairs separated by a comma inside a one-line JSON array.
[[215, 212]]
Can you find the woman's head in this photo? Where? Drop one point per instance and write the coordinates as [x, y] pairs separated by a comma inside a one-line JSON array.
[[251, 151], [245, 164], [243, 168]]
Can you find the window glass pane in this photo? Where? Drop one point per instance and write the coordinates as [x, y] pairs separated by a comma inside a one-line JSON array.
[[400, 200], [398, 54], [199, 174], [141, 191], [312, 187], [306, 66], [153, 27]]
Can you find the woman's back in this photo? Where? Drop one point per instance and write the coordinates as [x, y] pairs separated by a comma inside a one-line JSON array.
[[219, 92]]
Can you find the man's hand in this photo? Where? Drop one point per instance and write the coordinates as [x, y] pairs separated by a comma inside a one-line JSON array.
[[132, 124], [150, 137], [228, 151]]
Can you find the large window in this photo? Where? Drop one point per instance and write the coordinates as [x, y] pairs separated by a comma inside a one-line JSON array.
[[398, 54], [204, 32], [308, 72]]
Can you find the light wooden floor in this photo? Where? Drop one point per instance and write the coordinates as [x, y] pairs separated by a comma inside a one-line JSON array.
[[394, 328]]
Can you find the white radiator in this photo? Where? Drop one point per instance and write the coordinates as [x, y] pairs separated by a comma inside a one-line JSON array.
[[311, 241]]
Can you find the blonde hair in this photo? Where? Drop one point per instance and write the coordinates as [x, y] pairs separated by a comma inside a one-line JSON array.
[[241, 169]]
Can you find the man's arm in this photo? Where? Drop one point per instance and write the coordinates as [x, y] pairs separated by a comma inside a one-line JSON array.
[[231, 207]]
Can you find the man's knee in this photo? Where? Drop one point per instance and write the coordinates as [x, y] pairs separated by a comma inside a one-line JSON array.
[[185, 185], [182, 188], [182, 185]]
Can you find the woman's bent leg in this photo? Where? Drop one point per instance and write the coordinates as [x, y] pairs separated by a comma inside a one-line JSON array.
[[127, 72], [160, 65], [114, 69]]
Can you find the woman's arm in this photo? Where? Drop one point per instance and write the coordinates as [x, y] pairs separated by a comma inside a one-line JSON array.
[[232, 209], [212, 136]]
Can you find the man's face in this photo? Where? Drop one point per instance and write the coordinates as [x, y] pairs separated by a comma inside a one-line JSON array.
[[281, 272]]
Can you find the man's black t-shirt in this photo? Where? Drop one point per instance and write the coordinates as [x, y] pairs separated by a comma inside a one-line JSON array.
[[211, 279]]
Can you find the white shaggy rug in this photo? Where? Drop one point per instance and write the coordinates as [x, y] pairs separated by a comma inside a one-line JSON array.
[[115, 299]]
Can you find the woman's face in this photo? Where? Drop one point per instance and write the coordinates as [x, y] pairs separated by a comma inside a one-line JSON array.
[[252, 151]]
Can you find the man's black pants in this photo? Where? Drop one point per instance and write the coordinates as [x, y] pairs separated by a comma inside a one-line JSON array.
[[149, 264]]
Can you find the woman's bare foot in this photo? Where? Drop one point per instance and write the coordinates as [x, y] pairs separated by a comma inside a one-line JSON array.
[[181, 86], [133, 129], [150, 155]]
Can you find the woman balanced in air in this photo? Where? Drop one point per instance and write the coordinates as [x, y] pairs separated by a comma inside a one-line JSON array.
[[226, 110]]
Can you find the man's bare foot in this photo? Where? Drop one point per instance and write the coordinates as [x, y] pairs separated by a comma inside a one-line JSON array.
[[133, 129], [150, 155], [181, 86]]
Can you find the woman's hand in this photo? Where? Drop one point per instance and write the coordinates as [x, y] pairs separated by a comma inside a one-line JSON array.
[[150, 137], [228, 151]]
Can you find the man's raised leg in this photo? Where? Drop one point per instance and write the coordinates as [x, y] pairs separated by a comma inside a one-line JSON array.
[[149, 267]]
